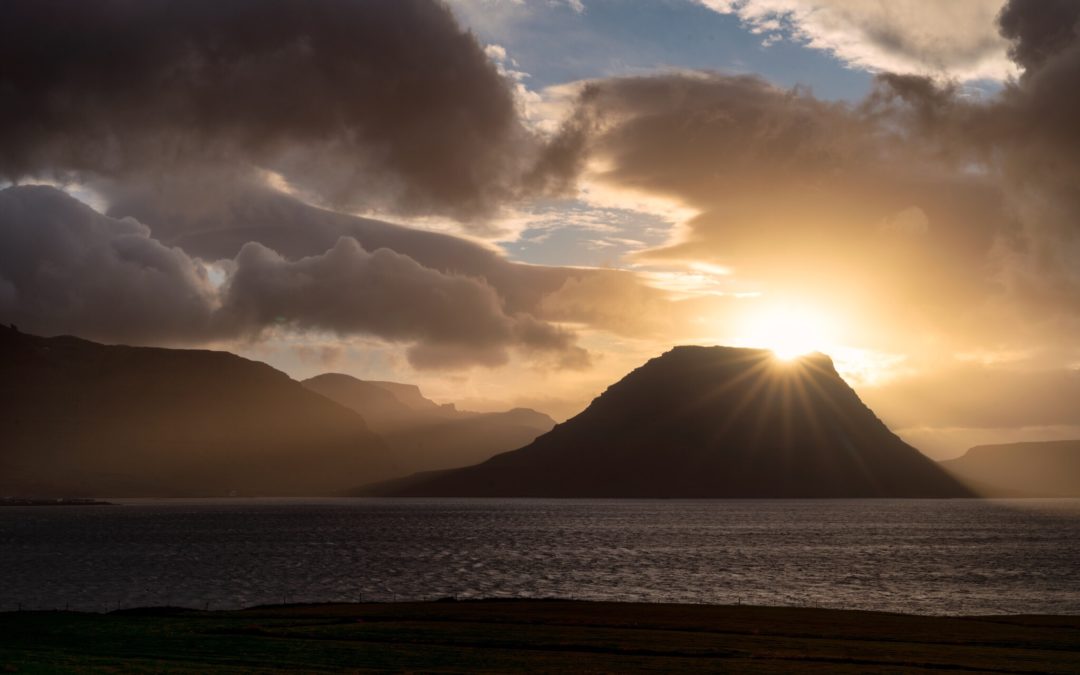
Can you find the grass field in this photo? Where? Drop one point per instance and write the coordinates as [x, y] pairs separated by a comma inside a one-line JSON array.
[[533, 635]]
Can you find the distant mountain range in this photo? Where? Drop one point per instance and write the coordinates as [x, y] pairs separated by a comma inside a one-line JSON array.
[[708, 422], [424, 435], [1041, 469], [80, 418]]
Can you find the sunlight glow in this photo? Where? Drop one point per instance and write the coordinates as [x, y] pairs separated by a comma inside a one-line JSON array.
[[789, 331]]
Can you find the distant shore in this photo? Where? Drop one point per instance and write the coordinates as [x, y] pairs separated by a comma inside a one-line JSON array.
[[59, 501], [544, 635]]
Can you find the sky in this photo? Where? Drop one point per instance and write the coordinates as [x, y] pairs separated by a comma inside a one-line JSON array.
[[516, 202]]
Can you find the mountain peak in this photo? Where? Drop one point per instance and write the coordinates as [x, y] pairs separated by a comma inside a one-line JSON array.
[[740, 354], [712, 422]]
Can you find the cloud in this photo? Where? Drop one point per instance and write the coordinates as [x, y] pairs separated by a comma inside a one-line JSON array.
[[947, 39], [957, 213], [931, 221], [1025, 141], [500, 16], [68, 269], [1039, 30], [791, 191], [381, 106], [451, 320], [977, 396], [210, 221], [175, 114], [942, 222]]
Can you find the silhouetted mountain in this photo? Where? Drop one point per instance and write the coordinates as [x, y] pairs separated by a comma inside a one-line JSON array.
[[377, 404], [1040, 469], [409, 394], [425, 435], [81, 418], [708, 422]]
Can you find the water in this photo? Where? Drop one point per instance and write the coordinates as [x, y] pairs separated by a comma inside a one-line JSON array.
[[925, 557]]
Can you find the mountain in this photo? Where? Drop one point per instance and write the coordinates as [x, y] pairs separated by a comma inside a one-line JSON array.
[[708, 422], [424, 435], [408, 394], [81, 418], [1041, 469]]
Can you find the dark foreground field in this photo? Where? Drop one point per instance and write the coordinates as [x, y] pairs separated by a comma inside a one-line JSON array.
[[533, 635]]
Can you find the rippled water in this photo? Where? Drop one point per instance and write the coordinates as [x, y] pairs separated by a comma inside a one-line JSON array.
[[927, 557]]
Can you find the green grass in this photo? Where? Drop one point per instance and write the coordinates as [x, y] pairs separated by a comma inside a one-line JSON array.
[[537, 636]]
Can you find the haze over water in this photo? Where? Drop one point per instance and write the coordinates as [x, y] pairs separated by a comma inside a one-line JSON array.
[[914, 556]]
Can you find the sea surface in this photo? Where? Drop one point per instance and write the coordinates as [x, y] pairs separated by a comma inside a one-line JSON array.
[[914, 556]]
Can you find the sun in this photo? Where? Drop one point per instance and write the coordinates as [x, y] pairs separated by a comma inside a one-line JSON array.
[[789, 331]]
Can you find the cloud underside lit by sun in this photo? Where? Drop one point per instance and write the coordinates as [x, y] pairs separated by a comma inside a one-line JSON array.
[[902, 232], [952, 40]]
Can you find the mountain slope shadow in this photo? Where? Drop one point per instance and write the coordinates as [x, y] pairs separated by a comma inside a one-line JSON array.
[[424, 435], [81, 418], [1032, 469], [708, 422]]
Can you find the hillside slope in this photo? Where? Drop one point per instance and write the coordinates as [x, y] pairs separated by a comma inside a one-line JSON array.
[[81, 418], [708, 422], [424, 435], [1039, 469]]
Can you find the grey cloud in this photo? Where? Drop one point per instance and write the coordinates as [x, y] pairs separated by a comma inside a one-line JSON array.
[[348, 289], [219, 226], [1039, 29], [453, 320], [69, 269], [1028, 140], [381, 104], [176, 109]]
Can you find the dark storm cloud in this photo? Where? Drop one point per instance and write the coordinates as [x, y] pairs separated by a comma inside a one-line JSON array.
[[64, 268], [371, 103], [175, 110], [1039, 29], [1039, 111]]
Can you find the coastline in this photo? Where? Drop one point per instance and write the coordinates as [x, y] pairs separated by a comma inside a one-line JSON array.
[[57, 501], [546, 635]]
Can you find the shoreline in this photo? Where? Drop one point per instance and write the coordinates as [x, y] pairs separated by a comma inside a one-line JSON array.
[[54, 501], [540, 634]]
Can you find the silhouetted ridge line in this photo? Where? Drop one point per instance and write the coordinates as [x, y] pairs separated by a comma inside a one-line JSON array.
[[708, 422], [424, 435], [81, 418], [1032, 469]]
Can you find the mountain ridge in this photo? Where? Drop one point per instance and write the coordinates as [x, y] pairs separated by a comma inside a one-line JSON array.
[[708, 422], [1024, 469], [424, 435], [82, 418]]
